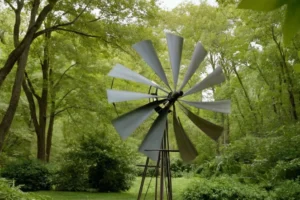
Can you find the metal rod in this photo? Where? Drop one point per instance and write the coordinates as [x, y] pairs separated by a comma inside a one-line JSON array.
[[168, 150], [145, 165], [148, 187], [162, 172], [163, 163], [166, 169], [170, 192], [143, 179], [156, 176]]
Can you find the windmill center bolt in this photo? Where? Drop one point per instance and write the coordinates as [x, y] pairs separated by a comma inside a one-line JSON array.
[[173, 96]]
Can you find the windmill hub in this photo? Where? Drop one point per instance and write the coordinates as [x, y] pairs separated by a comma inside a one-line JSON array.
[[173, 96]]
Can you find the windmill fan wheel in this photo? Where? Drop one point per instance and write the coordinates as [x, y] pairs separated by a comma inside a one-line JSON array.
[[129, 122]]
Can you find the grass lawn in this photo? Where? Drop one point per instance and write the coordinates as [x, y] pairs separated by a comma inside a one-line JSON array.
[[179, 184]]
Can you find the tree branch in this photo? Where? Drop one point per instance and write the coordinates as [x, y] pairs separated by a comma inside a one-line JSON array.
[[53, 28], [16, 31], [32, 106], [74, 121], [31, 87], [59, 102], [62, 110], [25, 43], [10, 5], [33, 13], [95, 36], [73, 107], [64, 73], [80, 33]]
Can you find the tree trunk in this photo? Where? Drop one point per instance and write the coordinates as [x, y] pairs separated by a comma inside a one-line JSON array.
[[246, 95], [52, 115], [14, 100], [41, 153], [287, 76], [20, 54], [43, 104], [49, 136]]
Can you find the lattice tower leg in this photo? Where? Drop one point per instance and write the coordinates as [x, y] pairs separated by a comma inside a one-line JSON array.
[[163, 178]]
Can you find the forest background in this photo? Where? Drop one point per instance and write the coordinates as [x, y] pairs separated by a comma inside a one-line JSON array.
[[55, 57]]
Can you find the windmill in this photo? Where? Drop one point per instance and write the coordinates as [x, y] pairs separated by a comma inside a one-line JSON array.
[[156, 145]]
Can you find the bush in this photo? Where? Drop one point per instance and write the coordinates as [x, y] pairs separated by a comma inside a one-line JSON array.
[[72, 175], [31, 175], [100, 163], [284, 146], [150, 171], [9, 192], [287, 190], [221, 164], [178, 168], [110, 174], [240, 152], [223, 188], [286, 170]]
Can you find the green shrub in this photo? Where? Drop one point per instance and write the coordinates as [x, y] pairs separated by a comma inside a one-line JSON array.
[[240, 152], [178, 168], [255, 173], [243, 150], [150, 171], [31, 175], [283, 146], [223, 188], [100, 163], [286, 170], [71, 175], [9, 192], [110, 174], [287, 190], [221, 164]]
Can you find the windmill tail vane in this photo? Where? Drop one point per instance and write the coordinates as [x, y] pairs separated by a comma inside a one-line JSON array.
[[129, 122]]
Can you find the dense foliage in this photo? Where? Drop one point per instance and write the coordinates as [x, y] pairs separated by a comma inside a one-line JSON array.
[[111, 174], [10, 192], [97, 163], [71, 175], [29, 175], [179, 169], [223, 188]]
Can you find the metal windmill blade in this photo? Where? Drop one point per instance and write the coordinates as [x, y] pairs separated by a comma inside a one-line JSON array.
[[129, 122]]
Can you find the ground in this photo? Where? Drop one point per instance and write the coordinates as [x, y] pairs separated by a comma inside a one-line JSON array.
[[179, 184]]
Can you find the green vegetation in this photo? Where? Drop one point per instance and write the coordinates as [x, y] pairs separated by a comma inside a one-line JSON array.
[[179, 185], [54, 61], [53, 195], [31, 175], [99, 163], [9, 192], [225, 188], [292, 16]]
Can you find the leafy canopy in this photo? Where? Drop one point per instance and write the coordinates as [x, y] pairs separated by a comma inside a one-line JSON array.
[[292, 16]]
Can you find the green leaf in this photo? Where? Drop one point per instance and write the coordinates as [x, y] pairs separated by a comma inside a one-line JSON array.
[[297, 68], [292, 21], [261, 5], [298, 54]]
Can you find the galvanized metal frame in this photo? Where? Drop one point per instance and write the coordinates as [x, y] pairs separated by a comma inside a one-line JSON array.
[[163, 178]]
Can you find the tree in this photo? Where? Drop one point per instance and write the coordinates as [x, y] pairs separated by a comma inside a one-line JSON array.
[[260, 81], [20, 55], [82, 20], [291, 20]]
